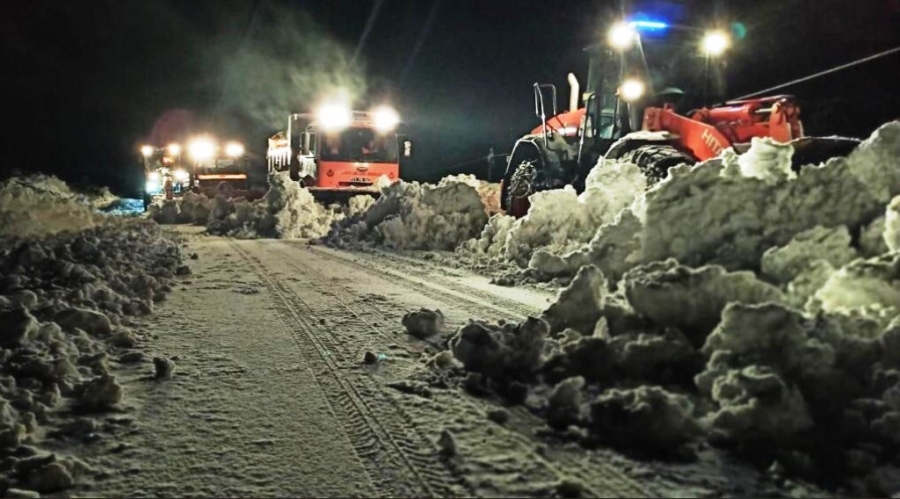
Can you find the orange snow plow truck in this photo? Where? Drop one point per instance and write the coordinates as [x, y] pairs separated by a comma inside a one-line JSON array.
[[337, 153]]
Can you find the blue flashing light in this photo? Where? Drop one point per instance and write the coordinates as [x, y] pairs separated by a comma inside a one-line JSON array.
[[648, 24]]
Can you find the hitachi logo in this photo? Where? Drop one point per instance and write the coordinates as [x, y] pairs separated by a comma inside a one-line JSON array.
[[710, 140]]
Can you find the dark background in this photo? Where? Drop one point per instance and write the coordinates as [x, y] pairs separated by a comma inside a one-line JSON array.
[[88, 81]]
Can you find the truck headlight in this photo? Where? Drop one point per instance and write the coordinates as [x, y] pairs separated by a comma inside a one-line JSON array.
[[333, 117], [234, 149], [385, 119]]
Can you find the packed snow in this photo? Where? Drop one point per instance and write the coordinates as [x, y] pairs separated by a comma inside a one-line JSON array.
[[72, 280]]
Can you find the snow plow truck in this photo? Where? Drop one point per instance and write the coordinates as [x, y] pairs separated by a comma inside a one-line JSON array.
[[164, 174], [623, 118], [338, 153]]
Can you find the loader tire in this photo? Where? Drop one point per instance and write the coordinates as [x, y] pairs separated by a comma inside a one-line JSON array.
[[655, 160], [521, 185]]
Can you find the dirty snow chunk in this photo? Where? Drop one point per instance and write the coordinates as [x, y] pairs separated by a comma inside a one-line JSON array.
[[423, 323], [17, 325], [767, 160], [743, 217], [101, 392], [755, 403], [667, 357], [511, 351], [589, 358], [163, 367], [871, 239], [692, 300], [832, 245], [90, 321], [644, 418], [53, 477], [892, 225], [580, 305], [565, 403], [766, 334], [865, 284], [447, 443]]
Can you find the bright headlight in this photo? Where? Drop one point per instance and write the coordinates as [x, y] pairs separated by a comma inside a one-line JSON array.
[[631, 90], [715, 43], [385, 119], [202, 149], [174, 149], [234, 149], [333, 117], [621, 35], [147, 151], [151, 185], [182, 175], [153, 177]]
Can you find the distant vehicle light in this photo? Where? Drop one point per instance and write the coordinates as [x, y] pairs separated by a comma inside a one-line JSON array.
[[385, 119], [147, 151], [174, 149], [182, 175], [202, 149], [234, 149]]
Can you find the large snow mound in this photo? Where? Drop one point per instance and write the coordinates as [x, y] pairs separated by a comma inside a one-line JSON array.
[[410, 215], [39, 205], [727, 211]]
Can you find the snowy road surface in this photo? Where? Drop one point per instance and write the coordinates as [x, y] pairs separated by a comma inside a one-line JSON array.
[[270, 395]]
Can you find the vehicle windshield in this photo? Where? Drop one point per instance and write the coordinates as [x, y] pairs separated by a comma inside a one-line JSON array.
[[362, 145]]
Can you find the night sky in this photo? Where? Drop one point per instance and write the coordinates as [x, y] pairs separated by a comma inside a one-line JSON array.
[[88, 81]]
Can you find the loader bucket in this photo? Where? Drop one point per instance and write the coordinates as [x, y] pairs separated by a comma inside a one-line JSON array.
[[816, 150]]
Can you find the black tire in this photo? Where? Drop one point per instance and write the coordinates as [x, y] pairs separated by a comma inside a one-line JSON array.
[[656, 159], [517, 186]]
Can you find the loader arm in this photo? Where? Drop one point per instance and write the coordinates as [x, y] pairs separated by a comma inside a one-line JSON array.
[[700, 139]]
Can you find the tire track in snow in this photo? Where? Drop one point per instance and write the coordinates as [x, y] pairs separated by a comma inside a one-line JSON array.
[[383, 443], [588, 467], [489, 305]]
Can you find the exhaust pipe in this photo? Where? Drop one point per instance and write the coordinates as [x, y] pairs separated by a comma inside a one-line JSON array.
[[573, 96]]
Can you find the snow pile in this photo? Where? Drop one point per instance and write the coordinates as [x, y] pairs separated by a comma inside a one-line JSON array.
[[488, 192], [39, 205], [287, 211], [727, 211], [65, 305], [560, 221], [410, 215]]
